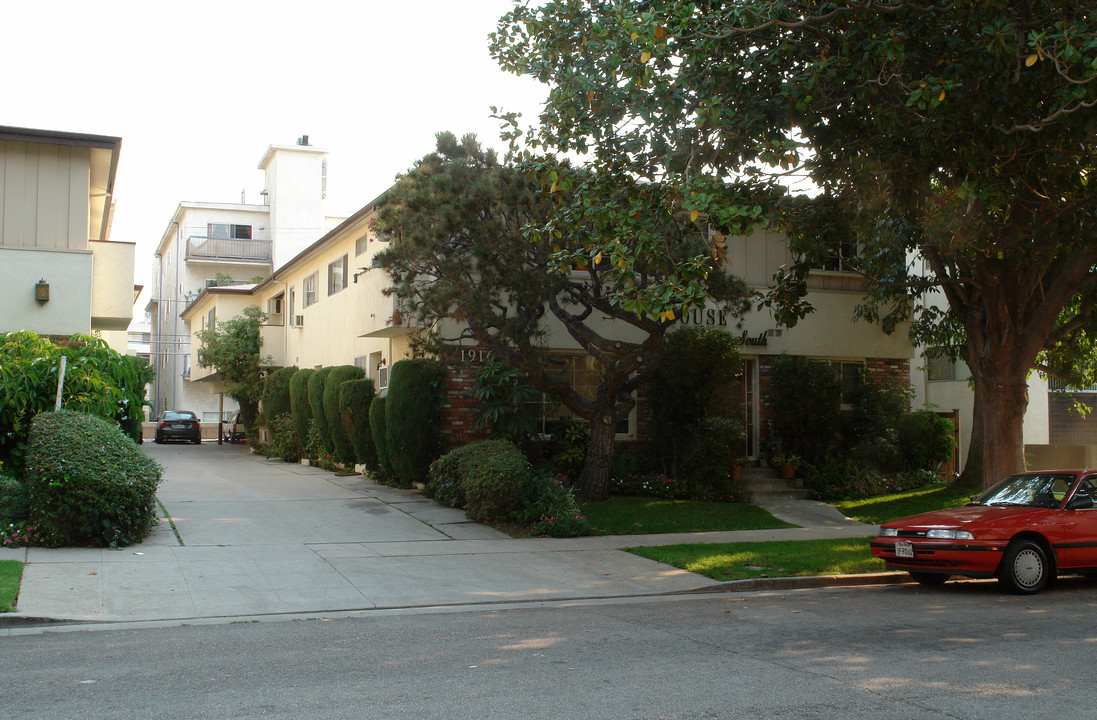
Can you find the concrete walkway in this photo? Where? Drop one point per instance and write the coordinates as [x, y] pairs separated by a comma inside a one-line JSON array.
[[250, 537]]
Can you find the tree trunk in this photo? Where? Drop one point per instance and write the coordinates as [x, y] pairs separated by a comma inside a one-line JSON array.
[[1005, 399], [594, 478], [972, 475]]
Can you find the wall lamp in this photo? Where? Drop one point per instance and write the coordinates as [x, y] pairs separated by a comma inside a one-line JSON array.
[[361, 271], [42, 292]]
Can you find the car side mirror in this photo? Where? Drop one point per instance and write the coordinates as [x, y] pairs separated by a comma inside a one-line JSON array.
[[1080, 502]]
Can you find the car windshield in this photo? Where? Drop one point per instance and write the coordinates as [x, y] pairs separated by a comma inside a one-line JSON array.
[[1042, 490]]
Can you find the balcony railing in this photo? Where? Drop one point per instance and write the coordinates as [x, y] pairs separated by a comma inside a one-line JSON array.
[[207, 248]]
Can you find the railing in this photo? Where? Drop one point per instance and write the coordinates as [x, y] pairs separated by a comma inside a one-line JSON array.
[[1060, 386], [229, 249]]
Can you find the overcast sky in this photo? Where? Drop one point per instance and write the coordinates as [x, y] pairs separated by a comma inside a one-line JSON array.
[[198, 90]]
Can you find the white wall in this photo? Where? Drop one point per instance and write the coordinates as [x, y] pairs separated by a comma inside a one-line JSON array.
[[68, 273]]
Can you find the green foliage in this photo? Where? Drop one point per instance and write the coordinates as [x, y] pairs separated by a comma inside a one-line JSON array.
[[234, 350], [549, 507], [413, 418], [98, 380], [300, 406], [276, 393], [314, 448], [926, 439], [14, 501], [88, 483], [691, 383], [317, 382], [505, 401], [519, 230], [378, 409], [355, 399], [342, 448], [572, 438], [716, 443], [284, 442], [807, 405], [489, 476], [844, 480]]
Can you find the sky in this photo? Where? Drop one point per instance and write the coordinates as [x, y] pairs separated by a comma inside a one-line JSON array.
[[198, 91]]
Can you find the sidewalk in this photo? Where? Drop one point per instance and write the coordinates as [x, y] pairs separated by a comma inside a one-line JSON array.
[[250, 536]]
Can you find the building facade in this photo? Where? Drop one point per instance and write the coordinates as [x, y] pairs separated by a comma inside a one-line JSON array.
[[60, 273], [232, 244]]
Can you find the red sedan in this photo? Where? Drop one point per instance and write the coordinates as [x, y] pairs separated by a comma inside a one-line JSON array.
[[1024, 531]]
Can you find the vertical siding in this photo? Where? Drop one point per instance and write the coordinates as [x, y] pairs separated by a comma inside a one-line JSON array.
[[44, 196]]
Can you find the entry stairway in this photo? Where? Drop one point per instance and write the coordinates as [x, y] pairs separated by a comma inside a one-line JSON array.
[[767, 484]]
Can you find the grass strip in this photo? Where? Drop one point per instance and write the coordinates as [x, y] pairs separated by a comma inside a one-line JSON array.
[[11, 572], [780, 558], [642, 515], [879, 509]]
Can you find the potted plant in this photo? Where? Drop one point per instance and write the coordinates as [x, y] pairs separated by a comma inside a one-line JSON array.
[[785, 464], [737, 467]]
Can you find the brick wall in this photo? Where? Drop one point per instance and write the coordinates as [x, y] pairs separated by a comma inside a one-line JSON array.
[[459, 406]]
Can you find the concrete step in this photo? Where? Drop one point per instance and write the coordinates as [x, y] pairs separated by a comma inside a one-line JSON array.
[[766, 484], [780, 494]]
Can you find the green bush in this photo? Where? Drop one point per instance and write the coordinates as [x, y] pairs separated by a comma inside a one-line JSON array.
[[716, 444], [276, 394], [548, 506], [284, 443], [807, 406], [926, 439], [317, 381], [572, 438], [314, 448], [693, 381], [342, 448], [88, 483], [299, 404], [379, 429], [445, 481], [413, 418], [355, 398], [492, 475], [14, 502], [505, 402]]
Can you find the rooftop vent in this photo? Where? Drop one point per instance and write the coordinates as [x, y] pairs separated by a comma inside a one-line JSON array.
[[303, 140]]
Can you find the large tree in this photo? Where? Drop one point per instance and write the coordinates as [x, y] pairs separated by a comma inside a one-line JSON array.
[[958, 133], [485, 251]]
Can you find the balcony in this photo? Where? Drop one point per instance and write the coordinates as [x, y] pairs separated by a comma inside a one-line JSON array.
[[228, 249]]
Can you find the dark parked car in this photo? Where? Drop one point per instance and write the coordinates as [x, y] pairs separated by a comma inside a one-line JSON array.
[[178, 425], [232, 430]]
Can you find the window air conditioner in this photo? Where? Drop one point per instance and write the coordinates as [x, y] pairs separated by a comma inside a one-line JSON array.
[[299, 320]]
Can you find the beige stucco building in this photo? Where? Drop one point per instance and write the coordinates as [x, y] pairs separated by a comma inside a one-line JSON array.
[[59, 271]]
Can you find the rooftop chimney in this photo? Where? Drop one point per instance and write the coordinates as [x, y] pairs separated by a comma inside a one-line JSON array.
[[303, 140]]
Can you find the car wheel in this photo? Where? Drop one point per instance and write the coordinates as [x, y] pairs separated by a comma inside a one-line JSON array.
[[929, 579], [1024, 569], [197, 442]]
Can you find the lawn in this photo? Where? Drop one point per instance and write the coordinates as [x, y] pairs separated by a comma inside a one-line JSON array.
[[876, 510], [781, 558], [10, 573], [642, 515]]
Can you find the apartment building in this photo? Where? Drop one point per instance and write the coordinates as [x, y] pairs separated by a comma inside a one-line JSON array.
[[60, 273], [234, 244]]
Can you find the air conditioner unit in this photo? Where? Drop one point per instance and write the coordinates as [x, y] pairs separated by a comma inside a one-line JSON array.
[[299, 320]]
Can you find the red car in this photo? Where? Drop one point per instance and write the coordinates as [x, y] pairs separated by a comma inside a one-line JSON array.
[[1024, 531]]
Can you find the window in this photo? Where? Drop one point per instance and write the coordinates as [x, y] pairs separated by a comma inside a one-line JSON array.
[[311, 290], [289, 306], [274, 309], [839, 259], [211, 319], [226, 231], [940, 367], [360, 245], [584, 375], [337, 275]]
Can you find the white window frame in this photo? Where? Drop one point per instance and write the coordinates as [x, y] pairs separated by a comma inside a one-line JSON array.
[[310, 289], [337, 275]]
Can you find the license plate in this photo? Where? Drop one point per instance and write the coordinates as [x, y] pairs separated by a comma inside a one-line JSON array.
[[904, 549], [179, 425]]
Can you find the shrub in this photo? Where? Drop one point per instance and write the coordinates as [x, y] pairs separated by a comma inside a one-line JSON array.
[[88, 483], [379, 429], [717, 443], [284, 443], [505, 401], [444, 483], [807, 405], [413, 418], [492, 475], [548, 506], [14, 502], [355, 399], [317, 381], [341, 446], [692, 382], [572, 437], [299, 404], [842, 480], [314, 449], [276, 394], [926, 439]]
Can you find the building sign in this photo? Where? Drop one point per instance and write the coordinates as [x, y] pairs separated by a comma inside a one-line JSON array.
[[710, 317]]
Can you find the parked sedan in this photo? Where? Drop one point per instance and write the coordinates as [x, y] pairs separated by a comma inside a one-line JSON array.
[[178, 425], [1023, 531]]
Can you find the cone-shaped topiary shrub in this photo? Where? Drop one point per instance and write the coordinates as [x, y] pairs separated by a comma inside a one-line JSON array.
[[299, 404], [355, 399], [337, 429], [413, 416], [378, 428]]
